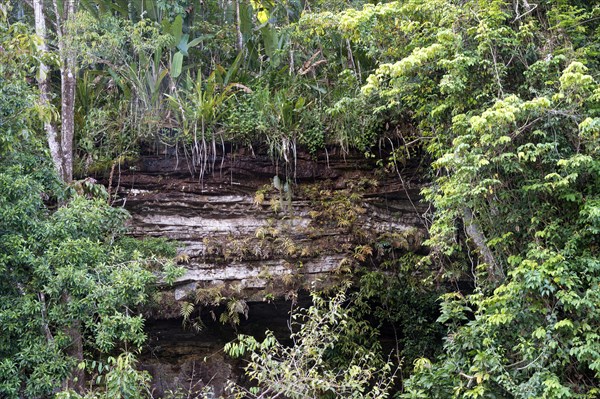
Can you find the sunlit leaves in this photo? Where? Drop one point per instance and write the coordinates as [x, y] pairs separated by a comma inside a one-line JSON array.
[[327, 357], [522, 154]]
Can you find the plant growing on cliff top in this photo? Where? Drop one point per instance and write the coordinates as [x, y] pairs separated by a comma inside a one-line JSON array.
[[197, 106]]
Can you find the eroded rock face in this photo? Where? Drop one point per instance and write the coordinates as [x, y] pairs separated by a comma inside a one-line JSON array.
[[190, 360], [244, 238]]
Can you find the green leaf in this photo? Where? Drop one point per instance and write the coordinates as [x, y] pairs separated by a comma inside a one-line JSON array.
[[176, 65], [183, 44], [197, 40], [177, 29], [565, 323]]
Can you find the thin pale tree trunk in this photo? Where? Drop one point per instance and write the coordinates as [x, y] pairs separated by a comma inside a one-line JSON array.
[[62, 16], [44, 86], [238, 26], [67, 86], [68, 118]]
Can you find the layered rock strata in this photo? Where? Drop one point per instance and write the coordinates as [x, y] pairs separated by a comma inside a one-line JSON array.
[[244, 233]]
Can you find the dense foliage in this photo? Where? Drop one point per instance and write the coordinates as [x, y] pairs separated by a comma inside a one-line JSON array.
[[71, 282], [502, 96], [512, 110]]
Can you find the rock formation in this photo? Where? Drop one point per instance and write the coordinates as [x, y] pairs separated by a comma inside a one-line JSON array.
[[251, 238]]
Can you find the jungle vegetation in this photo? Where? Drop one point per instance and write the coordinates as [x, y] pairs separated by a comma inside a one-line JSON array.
[[500, 99]]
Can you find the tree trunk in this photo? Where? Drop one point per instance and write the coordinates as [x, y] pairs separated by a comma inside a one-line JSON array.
[[474, 232], [68, 85], [238, 27], [44, 86], [76, 381], [62, 153], [45, 326]]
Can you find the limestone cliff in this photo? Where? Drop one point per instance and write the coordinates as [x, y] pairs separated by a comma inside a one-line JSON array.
[[251, 238]]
